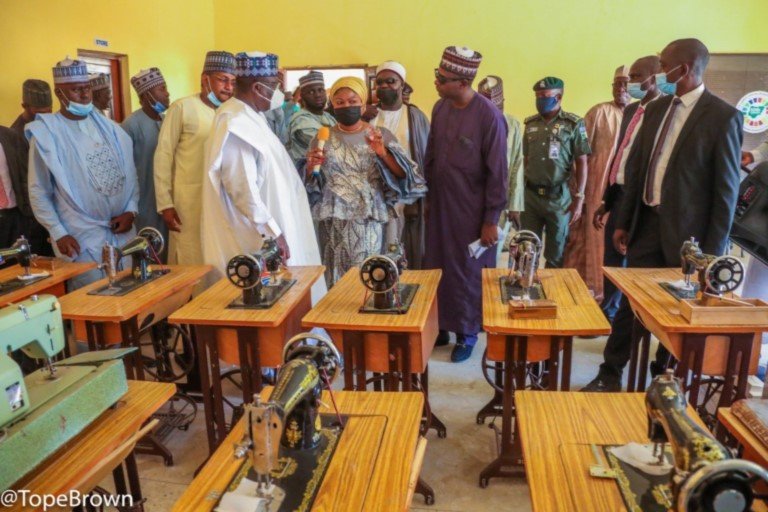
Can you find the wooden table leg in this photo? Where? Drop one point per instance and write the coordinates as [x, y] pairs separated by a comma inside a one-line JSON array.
[[737, 367], [565, 381], [129, 330], [218, 394], [354, 361], [510, 454], [202, 334]]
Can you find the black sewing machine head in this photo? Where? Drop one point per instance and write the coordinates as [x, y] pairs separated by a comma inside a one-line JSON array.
[[144, 249], [247, 271], [717, 274], [380, 274], [705, 476], [290, 417], [21, 251], [522, 281]]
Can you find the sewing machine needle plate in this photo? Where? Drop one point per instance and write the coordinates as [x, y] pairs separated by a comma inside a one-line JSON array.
[[407, 293], [127, 284], [270, 294], [508, 292], [681, 293], [16, 283]]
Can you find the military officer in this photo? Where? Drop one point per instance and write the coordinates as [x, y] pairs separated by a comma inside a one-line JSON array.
[[554, 142]]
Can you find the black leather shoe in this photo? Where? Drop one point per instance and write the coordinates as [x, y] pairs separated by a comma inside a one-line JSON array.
[[461, 352], [603, 384], [443, 339]]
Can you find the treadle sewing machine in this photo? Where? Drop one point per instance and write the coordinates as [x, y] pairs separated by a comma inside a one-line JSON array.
[[380, 274], [522, 289], [143, 250], [47, 408], [716, 274], [287, 444], [22, 252], [247, 271], [705, 477]]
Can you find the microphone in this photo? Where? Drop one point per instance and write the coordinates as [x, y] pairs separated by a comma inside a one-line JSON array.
[[323, 134]]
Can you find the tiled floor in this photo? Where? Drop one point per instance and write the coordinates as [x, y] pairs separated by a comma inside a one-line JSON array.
[[451, 465]]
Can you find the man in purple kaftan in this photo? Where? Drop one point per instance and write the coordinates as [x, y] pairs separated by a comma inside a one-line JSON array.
[[466, 172]]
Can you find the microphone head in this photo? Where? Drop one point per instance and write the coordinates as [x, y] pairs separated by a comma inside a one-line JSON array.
[[324, 133]]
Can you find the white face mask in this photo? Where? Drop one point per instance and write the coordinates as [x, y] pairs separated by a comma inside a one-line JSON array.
[[277, 99]]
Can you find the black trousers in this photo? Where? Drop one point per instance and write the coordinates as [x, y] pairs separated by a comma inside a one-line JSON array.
[[612, 258], [36, 234], [9, 230], [645, 251]]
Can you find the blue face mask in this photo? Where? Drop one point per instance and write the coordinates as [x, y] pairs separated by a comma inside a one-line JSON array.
[[78, 109], [664, 85], [156, 105], [635, 89], [546, 104], [216, 102]]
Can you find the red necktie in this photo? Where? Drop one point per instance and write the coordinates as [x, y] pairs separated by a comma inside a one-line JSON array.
[[651, 176], [5, 201], [636, 117]]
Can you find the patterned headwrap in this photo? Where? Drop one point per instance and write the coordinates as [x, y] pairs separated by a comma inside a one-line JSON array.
[[256, 64], [621, 72], [350, 82], [36, 93], [461, 61], [492, 88], [310, 79], [70, 71], [98, 81], [146, 79], [219, 62]]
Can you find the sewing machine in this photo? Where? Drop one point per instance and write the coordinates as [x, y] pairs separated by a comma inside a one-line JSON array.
[[143, 250], [246, 271], [522, 289], [55, 402], [380, 274], [285, 442], [22, 252], [705, 476]]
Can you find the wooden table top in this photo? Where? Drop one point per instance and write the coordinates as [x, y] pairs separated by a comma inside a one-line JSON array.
[[63, 270], [78, 305], [577, 311], [745, 436], [210, 307], [62, 470], [641, 287], [553, 421], [339, 309], [394, 459]]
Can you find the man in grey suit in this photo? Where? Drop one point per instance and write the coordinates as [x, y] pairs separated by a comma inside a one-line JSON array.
[[682, 181]]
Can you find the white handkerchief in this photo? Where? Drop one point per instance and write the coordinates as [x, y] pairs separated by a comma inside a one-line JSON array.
[[476, 249], [641, 457]]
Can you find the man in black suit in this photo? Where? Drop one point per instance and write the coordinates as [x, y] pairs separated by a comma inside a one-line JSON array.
[[683, 181], [642, 86]]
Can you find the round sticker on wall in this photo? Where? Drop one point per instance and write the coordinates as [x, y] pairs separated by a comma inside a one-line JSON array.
[[754, 106]]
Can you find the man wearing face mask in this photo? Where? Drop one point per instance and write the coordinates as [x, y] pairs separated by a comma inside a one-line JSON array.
[[554, 141], [82, 180], [251, 188], [584, 250], [307, 121], [641, 86], [466, 171], [411, 128], [278, 119], [102, 93], [682, 181], [143, 126], [179, 167]]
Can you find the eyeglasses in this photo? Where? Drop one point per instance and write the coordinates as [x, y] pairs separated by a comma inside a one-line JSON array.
[[388, 81], [444, 79]]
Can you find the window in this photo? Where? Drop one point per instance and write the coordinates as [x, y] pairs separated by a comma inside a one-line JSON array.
[[330, 74]]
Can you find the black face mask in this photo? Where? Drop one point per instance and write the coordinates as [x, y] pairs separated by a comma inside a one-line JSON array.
[[348, 115], [387, 96]]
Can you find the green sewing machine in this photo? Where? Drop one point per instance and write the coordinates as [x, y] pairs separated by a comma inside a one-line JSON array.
[[47, 408]]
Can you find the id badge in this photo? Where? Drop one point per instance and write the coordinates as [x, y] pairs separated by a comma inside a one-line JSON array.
[[554, 150]]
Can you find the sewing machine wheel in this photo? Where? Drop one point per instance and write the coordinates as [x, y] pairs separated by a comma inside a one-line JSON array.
[[244, 271], [379, 271], [154, 238], [525, 235], [724, 274], [723, 486], [300, 344]]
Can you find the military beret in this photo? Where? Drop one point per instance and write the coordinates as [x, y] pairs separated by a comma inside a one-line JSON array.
[[547, 83]]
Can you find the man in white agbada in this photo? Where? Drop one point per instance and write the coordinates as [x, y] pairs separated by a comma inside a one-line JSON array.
[[253, 189], [82, 180]]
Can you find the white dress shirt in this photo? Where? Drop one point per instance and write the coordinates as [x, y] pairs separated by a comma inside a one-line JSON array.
[[684, 109], [760, 153], [625, 154]]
